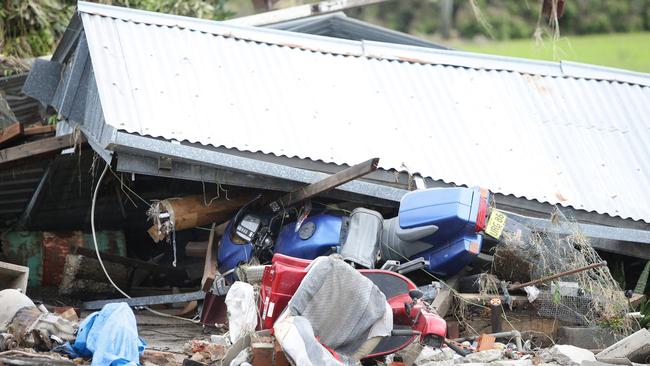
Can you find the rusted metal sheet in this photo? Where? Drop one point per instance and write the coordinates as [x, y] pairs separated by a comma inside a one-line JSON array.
[[45, 252]]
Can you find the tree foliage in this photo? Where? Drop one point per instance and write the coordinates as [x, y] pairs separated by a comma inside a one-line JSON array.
[[509, 19], [210, 9], [31, 28]]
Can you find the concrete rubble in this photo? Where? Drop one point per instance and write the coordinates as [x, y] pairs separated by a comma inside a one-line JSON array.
[[635, 348], [567, 355]]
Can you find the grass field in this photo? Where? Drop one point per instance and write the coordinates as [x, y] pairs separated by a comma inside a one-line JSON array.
[[622, 50]]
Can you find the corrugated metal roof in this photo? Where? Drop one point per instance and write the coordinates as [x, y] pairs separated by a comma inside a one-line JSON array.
[[561, 133], [338, 25]]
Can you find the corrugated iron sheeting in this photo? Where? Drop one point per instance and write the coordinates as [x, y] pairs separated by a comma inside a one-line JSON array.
[[571, 141], [25, 109], [17, 186]]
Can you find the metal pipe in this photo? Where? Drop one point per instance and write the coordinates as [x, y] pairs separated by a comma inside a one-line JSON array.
[[557, 275], [511, 334]]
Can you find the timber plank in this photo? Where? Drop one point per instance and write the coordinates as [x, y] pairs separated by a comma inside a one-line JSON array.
[[38, 130], [11, 133], [210, 263], [45, 146]]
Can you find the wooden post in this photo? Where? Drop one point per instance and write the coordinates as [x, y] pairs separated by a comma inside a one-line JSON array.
[[191, 211]]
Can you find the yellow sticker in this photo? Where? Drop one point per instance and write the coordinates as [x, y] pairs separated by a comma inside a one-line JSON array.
[[496, 223]]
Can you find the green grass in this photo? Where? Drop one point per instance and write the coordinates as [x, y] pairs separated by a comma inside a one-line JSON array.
[[621, 50]]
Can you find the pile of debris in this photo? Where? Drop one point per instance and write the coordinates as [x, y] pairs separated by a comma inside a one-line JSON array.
[[293, 280], [313, 312]]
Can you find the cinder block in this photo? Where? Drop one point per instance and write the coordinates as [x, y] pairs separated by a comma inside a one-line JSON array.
[[13, 276], [587, 337]]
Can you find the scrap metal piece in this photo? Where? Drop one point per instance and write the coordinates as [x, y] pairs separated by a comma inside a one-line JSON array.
[[29, 326], [146, 300]]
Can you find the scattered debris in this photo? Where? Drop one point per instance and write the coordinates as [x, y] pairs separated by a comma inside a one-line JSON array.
[[430, 354], [205, 351], [484, 356]]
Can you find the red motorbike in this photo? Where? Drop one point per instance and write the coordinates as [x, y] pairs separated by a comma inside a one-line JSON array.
[[411, 316]]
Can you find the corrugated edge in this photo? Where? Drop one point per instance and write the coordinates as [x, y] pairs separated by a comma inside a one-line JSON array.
[[370, 49], [390, 169]]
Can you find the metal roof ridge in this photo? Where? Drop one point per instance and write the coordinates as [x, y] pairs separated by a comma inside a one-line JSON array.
[[370, 49]]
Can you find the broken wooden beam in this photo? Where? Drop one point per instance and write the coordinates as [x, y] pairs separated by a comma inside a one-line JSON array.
[[11, 133], [131, 262], [331, 182], [38, 130], [46, 146], [83, 275]]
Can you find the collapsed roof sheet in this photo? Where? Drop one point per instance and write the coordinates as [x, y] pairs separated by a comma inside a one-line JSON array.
[[339, 25], [562, 133]]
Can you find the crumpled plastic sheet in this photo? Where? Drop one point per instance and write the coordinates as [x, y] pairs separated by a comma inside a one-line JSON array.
[[242, 310], [110, 337], [532, 293]]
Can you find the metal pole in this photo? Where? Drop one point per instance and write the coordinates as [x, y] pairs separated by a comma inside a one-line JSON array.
[[557, 275]]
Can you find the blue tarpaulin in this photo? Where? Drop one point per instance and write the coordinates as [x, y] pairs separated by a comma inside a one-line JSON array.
[[110, 337]]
